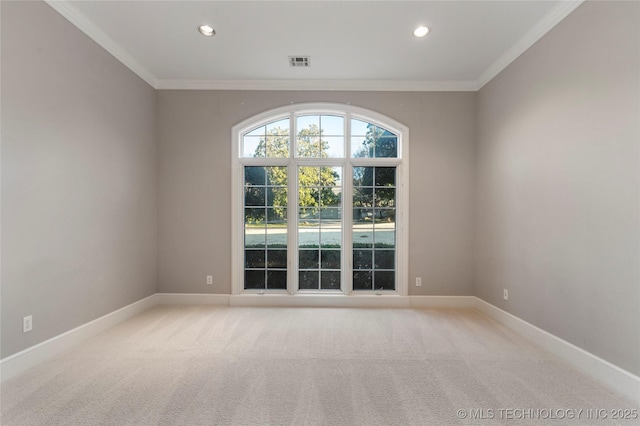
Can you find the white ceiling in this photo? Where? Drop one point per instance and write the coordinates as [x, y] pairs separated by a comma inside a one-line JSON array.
[[352, 44]]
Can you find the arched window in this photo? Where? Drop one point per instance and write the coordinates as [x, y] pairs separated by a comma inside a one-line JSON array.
[[319, 202]]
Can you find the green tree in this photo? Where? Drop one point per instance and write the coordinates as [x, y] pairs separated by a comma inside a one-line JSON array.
[[258, 194], [314, 183], [275, 145], [378, 143]]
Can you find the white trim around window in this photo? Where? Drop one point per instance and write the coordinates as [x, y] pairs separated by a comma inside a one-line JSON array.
[[292, 163]]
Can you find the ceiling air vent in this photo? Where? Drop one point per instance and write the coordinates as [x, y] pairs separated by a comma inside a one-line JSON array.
[[299, 61]]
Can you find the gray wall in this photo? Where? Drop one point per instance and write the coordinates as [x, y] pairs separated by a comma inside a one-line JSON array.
[[195, 182], [558, 218], [79, 202]]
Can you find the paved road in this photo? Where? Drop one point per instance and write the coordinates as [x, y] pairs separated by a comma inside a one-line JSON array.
[[384, 233]]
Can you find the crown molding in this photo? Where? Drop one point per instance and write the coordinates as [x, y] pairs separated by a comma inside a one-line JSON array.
[[550, 20], [324, 85], [67, 10]]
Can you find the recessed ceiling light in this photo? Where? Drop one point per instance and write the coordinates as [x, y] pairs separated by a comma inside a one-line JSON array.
[[206, 30], [421, 31]]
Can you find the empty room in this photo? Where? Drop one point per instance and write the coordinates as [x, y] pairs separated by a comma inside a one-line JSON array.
[[319, 212]]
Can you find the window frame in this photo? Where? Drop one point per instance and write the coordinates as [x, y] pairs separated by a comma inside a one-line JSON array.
[[292, 162]]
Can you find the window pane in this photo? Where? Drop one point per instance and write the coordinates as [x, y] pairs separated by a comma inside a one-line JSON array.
[[254, 279], [308, 137], [254, 176], [312, 143], [308, 280], [254, 196], [359, 148], [277, 197], [309, 217], [332, 125], [277, 176], [385, 235], [362, 280], [330, 216], [386, 216], [277, 215], [254, 216], [310, 124], [385, 197], [330, 280], [332, 146], [280, 127], [385, 259], [362, 176], [330, 176], [330, 197], [277, 146], [270, 141], [277, 280], [276, 237], [308, 237], [309, 147], [330, 237], [253, 146], [363, 216], [254, 258], [254, 236], [369, 140], [384, 280], [330, 259], [258, 131], [358, 127], [309, 200], [362, 232], [309, 259], [362, 197], [386, 147], [385, 176], [277, 259], [374, 227], [362, 259], [308, 176], [265, 227]]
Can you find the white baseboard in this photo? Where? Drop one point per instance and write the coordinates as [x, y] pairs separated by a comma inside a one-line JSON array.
[[23, 360], [615, 377], [443, 301], [192, 299], [317, 300]]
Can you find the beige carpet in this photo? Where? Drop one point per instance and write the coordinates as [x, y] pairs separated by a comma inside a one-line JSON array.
[[186, 365]]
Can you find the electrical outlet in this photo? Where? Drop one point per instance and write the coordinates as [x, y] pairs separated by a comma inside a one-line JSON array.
[[27, 324], [418, 282], [209, 279], [505, 294]]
